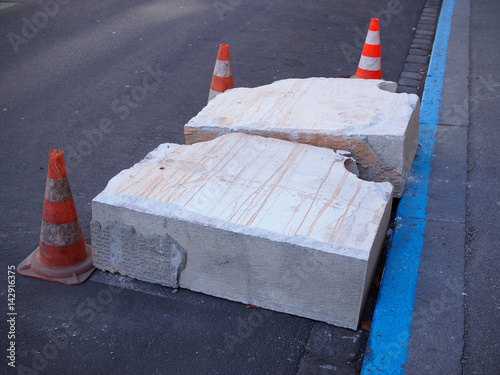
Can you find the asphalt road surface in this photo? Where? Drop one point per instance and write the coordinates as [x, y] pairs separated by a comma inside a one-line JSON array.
[[107, 81]]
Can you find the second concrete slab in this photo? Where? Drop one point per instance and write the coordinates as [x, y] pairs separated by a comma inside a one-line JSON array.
[[365, 117]]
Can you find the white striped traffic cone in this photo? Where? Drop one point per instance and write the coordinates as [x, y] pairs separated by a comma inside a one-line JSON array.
[[223, 77], [62, 255], [370, 66]]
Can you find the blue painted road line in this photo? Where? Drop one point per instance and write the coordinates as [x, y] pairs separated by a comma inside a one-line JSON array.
[[387, 349]]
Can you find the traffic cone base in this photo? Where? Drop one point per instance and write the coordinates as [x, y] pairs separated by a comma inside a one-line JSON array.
[[62, 255], [69, 275]]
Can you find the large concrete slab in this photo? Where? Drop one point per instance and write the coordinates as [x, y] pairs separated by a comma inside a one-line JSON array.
[[365, 117], [257, 220]]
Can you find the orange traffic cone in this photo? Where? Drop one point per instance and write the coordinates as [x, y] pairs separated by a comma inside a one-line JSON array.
[[62, 256], [223, 76], [370, 66]]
